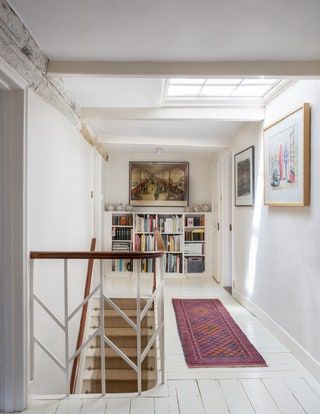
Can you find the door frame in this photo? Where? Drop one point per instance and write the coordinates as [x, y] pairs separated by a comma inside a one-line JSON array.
[[14, 349], [226, 218]]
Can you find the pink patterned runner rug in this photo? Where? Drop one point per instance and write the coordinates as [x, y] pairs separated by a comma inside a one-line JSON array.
[[211, 338]]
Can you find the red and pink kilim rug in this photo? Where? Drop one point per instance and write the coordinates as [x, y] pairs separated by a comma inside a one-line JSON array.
[[210, 337]]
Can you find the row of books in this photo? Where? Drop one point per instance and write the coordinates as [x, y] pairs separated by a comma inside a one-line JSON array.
[[144, 243], [122, 265], [172, 224], [172, 242], [147, 265], [119, 246], [119, 233], [193, 248], [194, 221], [194, 235], [173, 263], [147, 223], [122, 220]]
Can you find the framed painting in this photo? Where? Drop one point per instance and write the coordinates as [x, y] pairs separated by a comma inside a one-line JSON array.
[[162, 184], [287, 160], [244, 178]]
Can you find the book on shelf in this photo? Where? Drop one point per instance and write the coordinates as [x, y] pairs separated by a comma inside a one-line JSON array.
[[195, 221], [122, 265], [193, 248], [194, 235], [121, 246], [172, 242], [125, 220], [146, 223], [172, 224], [147, 265], [119, 233], [144, 243], [173, 263]]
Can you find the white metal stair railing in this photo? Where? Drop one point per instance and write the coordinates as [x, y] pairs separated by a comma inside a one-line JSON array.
[[157, 298]]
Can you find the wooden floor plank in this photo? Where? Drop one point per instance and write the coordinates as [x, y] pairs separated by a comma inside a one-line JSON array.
[[236, 398], [69, 406], [189, 399], [94, 406], [141, 405], [173, 397], [259, 397], [212, 397], [313, 383], [282, 396], [118, 405], [162, 405], [304, 394], [42, 407]]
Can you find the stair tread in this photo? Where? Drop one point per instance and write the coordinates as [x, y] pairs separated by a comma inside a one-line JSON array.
[[120, 332], [118, 374], [111, 313], [109, 353], [122, 303]]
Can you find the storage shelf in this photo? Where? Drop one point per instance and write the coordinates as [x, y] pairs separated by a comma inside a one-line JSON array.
[[194, 241], [179, 236], [195, 227], [194, 255]]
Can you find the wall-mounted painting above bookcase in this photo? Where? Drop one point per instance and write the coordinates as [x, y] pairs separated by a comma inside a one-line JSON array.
[[188, 239]]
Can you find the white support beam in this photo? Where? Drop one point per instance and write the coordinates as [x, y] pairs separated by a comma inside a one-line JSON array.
[[296, 68], [174, 143], [176, 113]]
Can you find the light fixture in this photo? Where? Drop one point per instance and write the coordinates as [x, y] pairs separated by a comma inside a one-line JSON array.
[[159, 150]]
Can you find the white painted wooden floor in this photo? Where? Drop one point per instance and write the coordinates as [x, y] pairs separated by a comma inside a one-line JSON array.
[[282, 387]]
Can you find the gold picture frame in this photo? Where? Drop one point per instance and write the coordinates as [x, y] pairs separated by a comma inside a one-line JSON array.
[[287, 160], [158, 183]]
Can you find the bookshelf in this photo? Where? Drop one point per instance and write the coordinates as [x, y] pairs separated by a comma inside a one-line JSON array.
[[187, 236]]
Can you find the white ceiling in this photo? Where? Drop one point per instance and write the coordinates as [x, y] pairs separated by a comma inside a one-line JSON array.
[[208, 30], [116, 92]]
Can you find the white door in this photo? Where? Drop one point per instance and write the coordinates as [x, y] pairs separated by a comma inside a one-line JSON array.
[[226, 220]]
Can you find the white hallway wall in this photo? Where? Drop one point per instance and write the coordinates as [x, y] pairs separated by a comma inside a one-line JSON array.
[[277, 249], [117, 173], [59, 218]]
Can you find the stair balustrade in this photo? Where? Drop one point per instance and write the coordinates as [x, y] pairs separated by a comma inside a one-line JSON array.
[[155, 300]]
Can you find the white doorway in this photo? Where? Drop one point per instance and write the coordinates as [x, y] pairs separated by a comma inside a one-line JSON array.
[[13, 236], [226, 220]]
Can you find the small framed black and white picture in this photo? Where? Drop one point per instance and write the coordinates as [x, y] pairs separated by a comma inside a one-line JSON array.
[[244, 178]]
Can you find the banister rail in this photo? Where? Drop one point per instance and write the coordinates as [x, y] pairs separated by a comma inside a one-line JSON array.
[[94, 255], [156, 299], [83, 320]]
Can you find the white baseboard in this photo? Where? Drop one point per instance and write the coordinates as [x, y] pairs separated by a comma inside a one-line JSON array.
[[306, 359]]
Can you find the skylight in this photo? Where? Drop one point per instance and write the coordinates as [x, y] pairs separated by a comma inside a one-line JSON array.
[[204, 89]]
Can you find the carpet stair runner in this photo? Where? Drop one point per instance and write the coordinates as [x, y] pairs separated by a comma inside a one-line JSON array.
[[120, 377]]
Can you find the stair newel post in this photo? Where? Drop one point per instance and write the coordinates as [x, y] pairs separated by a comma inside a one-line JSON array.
[[102, 348], [162, 338], [139, 327], [66, 325], [32, 322]]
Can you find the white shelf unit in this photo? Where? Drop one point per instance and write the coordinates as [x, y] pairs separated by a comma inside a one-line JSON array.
[[175, 232]]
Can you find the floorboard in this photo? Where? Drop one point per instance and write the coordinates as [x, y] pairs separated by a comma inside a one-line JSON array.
[[284, 386], [236, 398]]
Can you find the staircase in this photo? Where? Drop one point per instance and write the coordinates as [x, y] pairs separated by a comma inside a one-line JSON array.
[[120, 377]]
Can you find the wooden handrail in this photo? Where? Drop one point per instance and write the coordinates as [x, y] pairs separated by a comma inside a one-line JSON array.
[[94, 255], [87, 289]]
